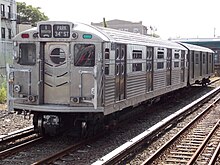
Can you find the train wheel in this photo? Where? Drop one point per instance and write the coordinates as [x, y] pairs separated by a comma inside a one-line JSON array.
[[84, 129], [38, 124]]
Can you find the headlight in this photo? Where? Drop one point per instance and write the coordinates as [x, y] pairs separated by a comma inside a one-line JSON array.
[[17, 88]]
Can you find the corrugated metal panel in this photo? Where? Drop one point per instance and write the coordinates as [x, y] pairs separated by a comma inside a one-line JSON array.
[[175, 77], [109, 90], [159, 80], [128, 37], [136, 85]]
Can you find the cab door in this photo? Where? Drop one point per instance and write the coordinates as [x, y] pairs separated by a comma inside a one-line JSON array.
[[56, 73]]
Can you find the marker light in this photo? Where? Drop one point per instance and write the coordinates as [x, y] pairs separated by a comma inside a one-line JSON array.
[[25, 35], [87, 36]]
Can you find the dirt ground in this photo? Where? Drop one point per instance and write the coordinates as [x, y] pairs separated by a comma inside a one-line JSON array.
[[3, 106]]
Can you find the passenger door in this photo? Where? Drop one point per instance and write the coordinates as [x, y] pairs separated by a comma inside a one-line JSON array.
[[120, 72], [56, 73], [150, 55]]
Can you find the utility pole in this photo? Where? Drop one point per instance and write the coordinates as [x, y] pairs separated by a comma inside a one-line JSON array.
[[214, 32]]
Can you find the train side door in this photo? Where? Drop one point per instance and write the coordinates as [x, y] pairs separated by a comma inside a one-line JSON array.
[[120, 72], [182, 73], [149, 65], [169, 67], [56, 73]]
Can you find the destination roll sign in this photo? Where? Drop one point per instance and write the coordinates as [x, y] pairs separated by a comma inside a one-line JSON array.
[[45, 31], [61, 31]]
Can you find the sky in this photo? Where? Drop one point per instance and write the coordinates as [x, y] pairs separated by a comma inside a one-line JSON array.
[[171, 18]]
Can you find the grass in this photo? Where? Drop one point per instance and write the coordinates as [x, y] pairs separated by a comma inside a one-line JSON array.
[[3, 92]]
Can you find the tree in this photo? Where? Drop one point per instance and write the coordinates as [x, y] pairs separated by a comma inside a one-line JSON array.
[[29, 14]]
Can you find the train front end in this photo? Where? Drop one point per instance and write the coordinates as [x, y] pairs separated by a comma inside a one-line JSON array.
[[56, 75]]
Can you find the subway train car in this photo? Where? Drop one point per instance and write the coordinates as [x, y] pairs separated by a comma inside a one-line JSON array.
[[76, 75]]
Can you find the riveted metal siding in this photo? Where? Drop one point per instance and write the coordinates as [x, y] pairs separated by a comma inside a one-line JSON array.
[[136, 85]]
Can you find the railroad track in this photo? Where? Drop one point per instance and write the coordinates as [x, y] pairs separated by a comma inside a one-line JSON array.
[[17, 141], [176, 139], [61, 155]]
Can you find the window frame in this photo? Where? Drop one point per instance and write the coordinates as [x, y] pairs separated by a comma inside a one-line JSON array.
[[22, 57], [81, 58]]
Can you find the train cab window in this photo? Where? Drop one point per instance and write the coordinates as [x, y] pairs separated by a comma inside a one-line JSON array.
[[84, 55], [58, 56], [27, 54]]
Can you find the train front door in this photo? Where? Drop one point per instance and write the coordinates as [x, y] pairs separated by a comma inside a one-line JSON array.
[[120, 72], [56, 73]]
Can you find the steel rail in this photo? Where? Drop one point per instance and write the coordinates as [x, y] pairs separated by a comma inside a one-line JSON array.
[[16, 134], [215, 155], [161, 149], [15, 149], [120, 153], [202, 146]]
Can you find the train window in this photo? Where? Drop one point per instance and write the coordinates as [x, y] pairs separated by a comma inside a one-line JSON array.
[[210, 58], [122, 53], [169, 53], [160, 65], [149, 67], [84, 55], [137, 54], [107, 53], [149, 52], [176, 64], [136, 67], [168, 65], [106, 69], [57, 56], [197, 59], [117, 53], [182, 53], [176, 55], [160, 54], [27, 54], [203, 58], [117, 69]]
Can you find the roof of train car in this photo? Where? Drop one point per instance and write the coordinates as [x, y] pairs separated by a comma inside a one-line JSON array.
[[134, 38], [113, 35], [196, 48]]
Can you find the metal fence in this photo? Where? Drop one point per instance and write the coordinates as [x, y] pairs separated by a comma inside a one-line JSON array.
[[6, 54]]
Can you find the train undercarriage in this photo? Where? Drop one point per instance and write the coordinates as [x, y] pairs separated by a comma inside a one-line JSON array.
[[78, 125]]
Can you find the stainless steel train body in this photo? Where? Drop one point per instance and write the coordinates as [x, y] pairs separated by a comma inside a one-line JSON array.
[[73, 68]]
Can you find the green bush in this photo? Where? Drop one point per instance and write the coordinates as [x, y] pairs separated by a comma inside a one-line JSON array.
[[3, 93]]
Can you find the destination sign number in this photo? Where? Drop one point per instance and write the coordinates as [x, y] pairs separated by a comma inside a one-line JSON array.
[[61, 31], [45, 31]]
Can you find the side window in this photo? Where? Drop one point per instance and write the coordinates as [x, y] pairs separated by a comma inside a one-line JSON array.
[[197, 58], [203, 58], [84, 55], [3, 32], [177, 54], [160, 65], [27, 54], [160, 53]]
